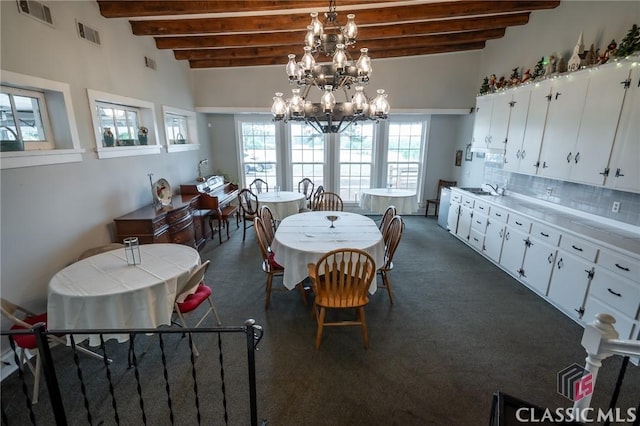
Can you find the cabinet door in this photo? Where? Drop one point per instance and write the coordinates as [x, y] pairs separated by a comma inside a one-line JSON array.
[[534, 131], [599, 122], [624, 173], [464, 222], [482, 122], [513, 249], [537, 266], [569, 283], [561, 128], [452, 218], [499, 121], [517, 125], [493, 240]]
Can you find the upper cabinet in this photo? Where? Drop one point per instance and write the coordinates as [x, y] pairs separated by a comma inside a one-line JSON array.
[[491, 122], [524, 135]]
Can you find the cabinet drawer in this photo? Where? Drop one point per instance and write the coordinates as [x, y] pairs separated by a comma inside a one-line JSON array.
[[468, 201], [481, 207], [579, 247], [545, 233], [498, 215], [624, 325], [476, 239], [620, 264], [519, 222], [456, 197], [619, 293], [479, 222]]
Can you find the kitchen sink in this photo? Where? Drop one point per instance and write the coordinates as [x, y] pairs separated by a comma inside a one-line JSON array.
[[476, 191]]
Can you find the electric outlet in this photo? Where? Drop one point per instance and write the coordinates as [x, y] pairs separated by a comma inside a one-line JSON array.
[[549, 191], [616, 207]]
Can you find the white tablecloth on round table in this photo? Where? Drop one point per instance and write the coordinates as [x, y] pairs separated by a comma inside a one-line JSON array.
[[378, 199], [306, 237], [103, 292], [283, 204]]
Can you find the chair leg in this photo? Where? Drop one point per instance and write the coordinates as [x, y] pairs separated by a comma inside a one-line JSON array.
[[226, 224], [184, 325], [268, 291], [320, 319], [244, 230], [302, 293], [220, 229], [426, 210], [387, 284], [215, 312], [365, 336]]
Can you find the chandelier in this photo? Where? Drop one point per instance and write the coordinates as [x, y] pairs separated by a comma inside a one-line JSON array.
[[341, 74]]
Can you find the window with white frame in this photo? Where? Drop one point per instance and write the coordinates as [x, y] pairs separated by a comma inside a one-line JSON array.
[[258, 148], [176, 128], [180, 129], [404, 154], [24, 122], [356, 160], [307, 154], [119, 125]]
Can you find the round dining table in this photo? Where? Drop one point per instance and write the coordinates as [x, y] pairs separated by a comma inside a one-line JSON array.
[[378, 199], [104, 292], [283, 203], [304, 238]]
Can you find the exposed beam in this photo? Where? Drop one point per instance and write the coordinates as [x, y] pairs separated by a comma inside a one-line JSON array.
[[281, 52], [364, 17], [364, 33], [245, 62]]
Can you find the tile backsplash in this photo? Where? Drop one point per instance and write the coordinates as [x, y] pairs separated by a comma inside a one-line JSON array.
[[590, 199]]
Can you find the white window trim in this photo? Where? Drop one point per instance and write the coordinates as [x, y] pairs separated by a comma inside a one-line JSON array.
[[193, 142], [148, 113], [18, 159]]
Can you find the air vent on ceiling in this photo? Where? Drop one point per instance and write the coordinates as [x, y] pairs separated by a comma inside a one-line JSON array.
[[149, 63], [36, 10], [88, 33]]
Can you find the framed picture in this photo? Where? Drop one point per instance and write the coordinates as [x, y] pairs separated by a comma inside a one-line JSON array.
[[459, 158], [468, 155]]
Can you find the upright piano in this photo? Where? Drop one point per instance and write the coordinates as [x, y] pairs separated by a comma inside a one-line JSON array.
[[214, 196]]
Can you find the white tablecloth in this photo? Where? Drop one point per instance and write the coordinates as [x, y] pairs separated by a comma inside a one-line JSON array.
[[304, 238], [378, 199], [283, 204], [102, 291]]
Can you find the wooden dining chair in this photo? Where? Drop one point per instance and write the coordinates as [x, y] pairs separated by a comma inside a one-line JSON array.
[[269, 265], [436, 201], [305, 186], [197, 292], [389, 213], [23, 319], [269, 222], [248, 202], [258, 186], [328, 201], [100, 249], [392, 238], [341, 280]]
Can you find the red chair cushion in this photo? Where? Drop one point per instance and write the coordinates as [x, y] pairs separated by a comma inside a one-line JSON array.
[[28, 341], [194, 300], [273, 263]]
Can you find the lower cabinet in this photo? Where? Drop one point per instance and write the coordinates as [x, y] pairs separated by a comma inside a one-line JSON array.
[[464, 222], [493, 240], [452, 217], [537, 265], [513, 249], [569, 283]]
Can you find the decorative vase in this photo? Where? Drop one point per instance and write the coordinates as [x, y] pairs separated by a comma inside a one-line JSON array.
[[142, 135], [107, 136], [180, 139]]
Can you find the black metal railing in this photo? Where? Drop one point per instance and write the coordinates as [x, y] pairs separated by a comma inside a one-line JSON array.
[[145, 383]]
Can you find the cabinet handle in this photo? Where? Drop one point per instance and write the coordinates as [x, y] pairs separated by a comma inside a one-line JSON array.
[[614, 293], [576, 248], [569, 158], [501, 234], [518, 154], [544, 165], [506, 237], [626, 83], [475, 239], [558, 94], [548, 97], [622, 267], [518, 223], [498, 214], [580, 312], [544, 235], [521, 272], [527, 242], [577, 157], [523, 154], [618, 174], [550, 258], [605, 172], [560, 263], [590, 273]]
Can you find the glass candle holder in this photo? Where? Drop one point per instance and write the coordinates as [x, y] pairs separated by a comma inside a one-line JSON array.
[[132, 250]]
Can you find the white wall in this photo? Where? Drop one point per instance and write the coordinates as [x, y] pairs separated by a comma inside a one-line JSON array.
[[50, 214]]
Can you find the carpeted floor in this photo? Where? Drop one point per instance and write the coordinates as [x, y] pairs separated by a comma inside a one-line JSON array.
[[460, 330]]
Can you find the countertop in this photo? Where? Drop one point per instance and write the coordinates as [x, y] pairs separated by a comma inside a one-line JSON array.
[[625, 238]]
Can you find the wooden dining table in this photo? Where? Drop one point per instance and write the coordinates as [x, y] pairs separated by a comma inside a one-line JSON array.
[[104, 292], [304, 238]]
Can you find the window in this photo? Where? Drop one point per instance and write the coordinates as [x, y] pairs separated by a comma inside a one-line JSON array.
[[123, 126], [307, 154], [258, 150], [24, 123], [356, 160], [177, 132], [37, 123], [404, 154], [181, 130]]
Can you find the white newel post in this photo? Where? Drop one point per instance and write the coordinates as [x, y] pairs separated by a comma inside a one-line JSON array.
[[600, 340]]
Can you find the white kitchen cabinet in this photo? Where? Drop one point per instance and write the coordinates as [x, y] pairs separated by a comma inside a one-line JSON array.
[[600, 116], [626, 328], [537, 265], [624, 173], [491, 122], [454, 211], [566, 103], [493, 240], [478, 229], [513, 248], [516, 154], [464, 222]]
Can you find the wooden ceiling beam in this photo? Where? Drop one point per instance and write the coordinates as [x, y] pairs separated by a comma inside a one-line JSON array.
[[388, 44], [300, 21], [394, 53], [364, 33]]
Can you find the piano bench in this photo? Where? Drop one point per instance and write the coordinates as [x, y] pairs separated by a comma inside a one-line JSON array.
[[227, 212]]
